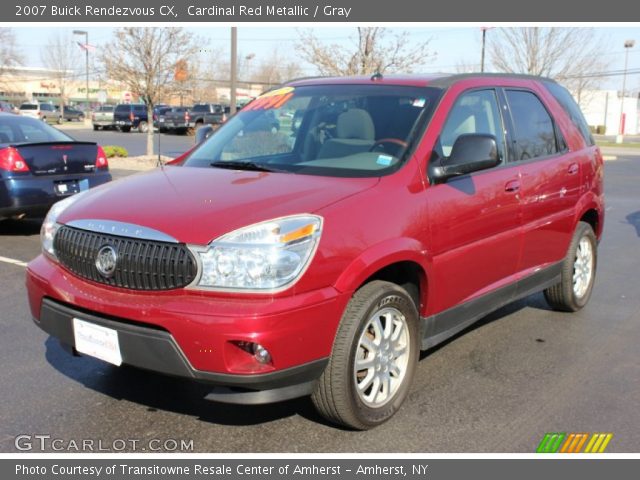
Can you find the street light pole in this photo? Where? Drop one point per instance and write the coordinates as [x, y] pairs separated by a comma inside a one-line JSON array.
[[484, 41], [628, 44], [86, 52]]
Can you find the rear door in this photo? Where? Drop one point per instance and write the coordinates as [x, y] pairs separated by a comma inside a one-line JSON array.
[[474, 219], [550, 180]]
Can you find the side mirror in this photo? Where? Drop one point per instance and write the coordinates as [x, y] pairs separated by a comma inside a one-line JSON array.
[[203, 133], [471, 152]]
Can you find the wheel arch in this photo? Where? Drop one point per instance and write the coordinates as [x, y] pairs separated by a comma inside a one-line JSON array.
[[404, 262]]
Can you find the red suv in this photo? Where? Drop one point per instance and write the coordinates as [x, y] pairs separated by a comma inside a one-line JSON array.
[[321, 258]]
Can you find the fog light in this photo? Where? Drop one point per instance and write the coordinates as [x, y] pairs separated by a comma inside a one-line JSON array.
[[261, 354]]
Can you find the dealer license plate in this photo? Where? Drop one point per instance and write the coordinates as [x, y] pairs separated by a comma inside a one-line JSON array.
[[97, 341]]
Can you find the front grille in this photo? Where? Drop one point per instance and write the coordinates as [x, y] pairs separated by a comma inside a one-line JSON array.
[[141, 264]]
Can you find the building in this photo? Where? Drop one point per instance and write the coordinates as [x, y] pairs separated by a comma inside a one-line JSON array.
[[26, 84], [601, 108]]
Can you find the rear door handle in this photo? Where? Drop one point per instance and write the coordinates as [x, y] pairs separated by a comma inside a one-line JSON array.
[[573, 169], [512, 186]]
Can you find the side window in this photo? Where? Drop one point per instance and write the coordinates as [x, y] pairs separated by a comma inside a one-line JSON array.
[[534, 130], [474, 112]]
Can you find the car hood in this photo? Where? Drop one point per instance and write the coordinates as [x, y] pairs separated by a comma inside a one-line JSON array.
[[197, 205]]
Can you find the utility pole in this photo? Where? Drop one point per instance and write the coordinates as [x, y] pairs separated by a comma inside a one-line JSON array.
[[234, 69], [484, 41]]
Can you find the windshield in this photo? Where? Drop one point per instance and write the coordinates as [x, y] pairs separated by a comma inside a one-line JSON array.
[[333, 130]]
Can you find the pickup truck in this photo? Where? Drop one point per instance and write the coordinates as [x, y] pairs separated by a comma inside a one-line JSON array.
[[186, 119], [176, 119], [216, 119], [103, 117]]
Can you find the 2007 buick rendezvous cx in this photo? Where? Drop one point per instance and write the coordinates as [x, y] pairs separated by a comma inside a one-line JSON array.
[[382, 217]]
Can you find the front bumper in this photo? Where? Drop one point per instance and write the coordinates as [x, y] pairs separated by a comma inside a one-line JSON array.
[[195, 335]]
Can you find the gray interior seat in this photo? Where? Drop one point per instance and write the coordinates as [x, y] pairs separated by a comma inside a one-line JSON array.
[[355, 133]]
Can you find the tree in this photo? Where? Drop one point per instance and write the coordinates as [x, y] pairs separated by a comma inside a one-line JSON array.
[[61, 56], [375, 50], [570, 55], [145, 60], [275, 70], [9, 54]]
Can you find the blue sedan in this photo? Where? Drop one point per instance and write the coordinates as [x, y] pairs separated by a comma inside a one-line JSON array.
[[40, 165]]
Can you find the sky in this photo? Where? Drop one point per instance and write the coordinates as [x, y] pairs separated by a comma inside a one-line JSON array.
[[453, 45]]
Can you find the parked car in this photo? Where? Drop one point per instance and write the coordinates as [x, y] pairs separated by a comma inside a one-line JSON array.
[[102, 117], [131, 115], [70, 114], [159, 117], [41, 111], [321, 261], [8, 107], [40, 165]]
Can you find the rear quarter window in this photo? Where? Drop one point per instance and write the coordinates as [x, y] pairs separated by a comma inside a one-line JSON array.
[[572, 109], [201, 108]]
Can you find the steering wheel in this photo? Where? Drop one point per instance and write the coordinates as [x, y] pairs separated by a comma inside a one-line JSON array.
[[394, 141]]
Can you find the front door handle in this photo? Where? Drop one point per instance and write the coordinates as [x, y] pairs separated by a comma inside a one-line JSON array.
[[512, 186], [573, 169]]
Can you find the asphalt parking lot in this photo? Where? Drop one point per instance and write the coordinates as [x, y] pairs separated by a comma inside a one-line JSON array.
[[499, 387], [170, 144]]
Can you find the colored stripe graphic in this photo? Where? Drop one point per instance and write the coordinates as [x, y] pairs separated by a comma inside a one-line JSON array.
[[551, 442], [574, 442], [598, 443], [556, 442]]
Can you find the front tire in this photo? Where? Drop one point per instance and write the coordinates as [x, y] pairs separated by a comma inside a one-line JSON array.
[[578, 272], [143, 127], [373, 360]]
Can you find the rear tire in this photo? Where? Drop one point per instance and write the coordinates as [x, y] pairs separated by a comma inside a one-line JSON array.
[[374, 358], [125, 129], [578, 272]]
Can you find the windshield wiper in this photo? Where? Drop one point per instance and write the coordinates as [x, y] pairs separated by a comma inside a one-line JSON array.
[[240, 165]]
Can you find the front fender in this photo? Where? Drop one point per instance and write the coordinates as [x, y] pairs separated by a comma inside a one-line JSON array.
[[380, 256]]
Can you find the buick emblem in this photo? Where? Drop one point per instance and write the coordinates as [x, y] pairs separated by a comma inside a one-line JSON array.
[[106, 261]]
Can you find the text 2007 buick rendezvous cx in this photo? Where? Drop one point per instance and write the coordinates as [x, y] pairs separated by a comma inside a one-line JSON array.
[[318, 258]]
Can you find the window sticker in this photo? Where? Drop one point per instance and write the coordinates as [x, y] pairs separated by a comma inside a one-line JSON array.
[[384, 160], [271, 100]]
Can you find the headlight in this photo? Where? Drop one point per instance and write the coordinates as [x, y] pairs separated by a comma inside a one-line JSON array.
[[264, 257], [50, 225]]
